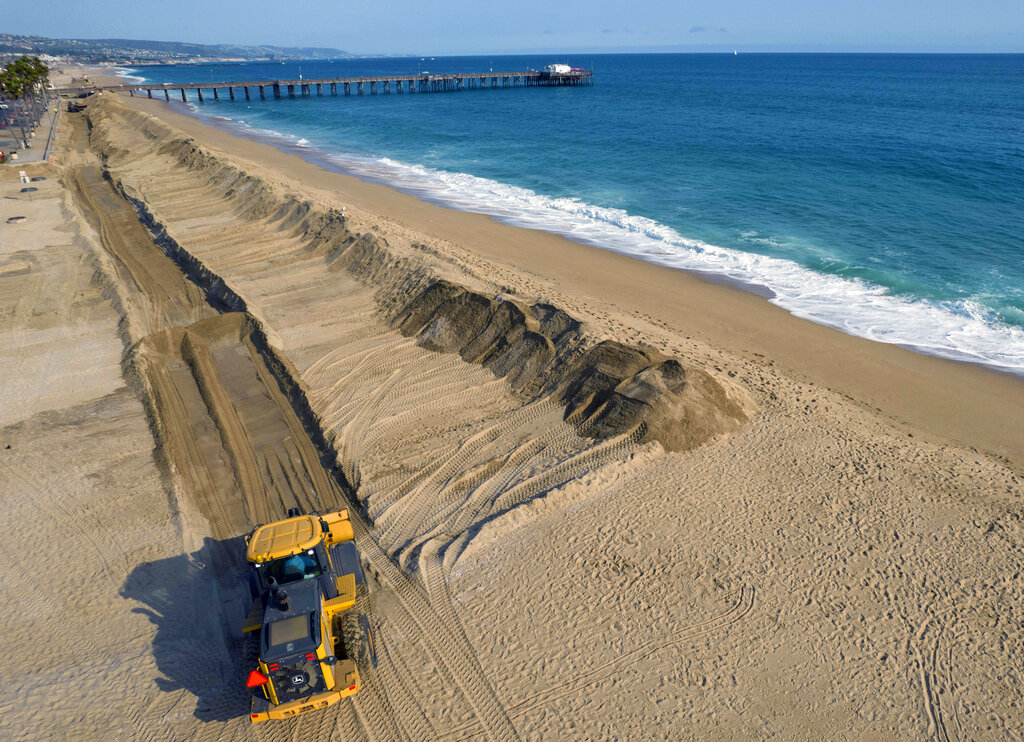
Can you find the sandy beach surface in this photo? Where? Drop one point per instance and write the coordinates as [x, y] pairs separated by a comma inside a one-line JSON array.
[[597, 499]]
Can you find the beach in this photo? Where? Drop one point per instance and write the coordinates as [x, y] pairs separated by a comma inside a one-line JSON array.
[[598, 498]]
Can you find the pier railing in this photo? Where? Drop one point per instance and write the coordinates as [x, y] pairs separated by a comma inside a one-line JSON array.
[[384, 84]]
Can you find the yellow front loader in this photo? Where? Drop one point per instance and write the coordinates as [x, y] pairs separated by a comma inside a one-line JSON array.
[[315, 646]]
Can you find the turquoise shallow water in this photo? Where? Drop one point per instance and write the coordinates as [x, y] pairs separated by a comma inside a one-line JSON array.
[[879, 194]]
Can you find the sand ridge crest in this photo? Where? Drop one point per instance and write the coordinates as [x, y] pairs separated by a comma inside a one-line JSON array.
[[609, 388]]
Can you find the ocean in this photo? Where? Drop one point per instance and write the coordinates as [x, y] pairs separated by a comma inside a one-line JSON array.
[[882, 195]]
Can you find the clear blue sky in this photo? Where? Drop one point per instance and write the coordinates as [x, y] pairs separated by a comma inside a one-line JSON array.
[[475, 26]]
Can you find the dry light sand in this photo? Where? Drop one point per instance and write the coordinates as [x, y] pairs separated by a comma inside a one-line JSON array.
[[597, 499]]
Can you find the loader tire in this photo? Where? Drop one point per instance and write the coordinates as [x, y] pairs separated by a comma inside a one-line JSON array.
[[359, 641]]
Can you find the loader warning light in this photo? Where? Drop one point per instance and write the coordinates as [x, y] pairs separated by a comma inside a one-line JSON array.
[[311, 656], [351, 687], [256, 679]]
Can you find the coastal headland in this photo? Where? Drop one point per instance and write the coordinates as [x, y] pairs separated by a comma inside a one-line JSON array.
[[598, 498]]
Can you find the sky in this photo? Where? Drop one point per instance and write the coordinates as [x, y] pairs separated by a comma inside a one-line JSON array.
[[474, 27]]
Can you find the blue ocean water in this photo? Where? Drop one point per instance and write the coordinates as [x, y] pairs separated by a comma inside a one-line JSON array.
[[879, 194]]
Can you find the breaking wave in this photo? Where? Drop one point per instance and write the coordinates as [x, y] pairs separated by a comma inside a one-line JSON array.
[[128, 75]]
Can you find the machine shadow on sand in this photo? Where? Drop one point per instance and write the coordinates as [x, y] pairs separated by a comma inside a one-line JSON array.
[[197, 602]]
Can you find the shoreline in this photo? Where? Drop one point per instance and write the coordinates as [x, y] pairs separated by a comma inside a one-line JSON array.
[[850, 296], [322, 159], [961, 402]]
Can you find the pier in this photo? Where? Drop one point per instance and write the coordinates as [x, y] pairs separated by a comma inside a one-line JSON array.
[[382, 85]]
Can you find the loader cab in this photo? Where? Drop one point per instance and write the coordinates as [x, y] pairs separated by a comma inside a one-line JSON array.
[[306, 565], [301, 548], [302, 566], [288, 551]]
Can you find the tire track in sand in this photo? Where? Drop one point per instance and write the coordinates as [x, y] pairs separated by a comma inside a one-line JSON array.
[[400, 522], [72, 522], [373, 705], [567, 470], [933, 651], [742, 605], [445, 643], [455, 518], [392, 669]]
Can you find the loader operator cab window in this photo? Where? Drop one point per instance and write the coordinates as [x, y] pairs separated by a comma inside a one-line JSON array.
[[297, 567]]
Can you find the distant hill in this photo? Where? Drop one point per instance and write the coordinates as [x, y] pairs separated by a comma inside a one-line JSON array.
[[137, 51]]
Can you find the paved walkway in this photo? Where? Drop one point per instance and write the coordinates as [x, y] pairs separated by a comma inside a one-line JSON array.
[[40, 146]]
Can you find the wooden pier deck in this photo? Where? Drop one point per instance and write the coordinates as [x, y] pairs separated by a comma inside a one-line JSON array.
[[385, 84]]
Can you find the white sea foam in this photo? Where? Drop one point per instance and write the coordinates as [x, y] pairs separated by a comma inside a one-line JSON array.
[[126, 74], [963, 330]]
